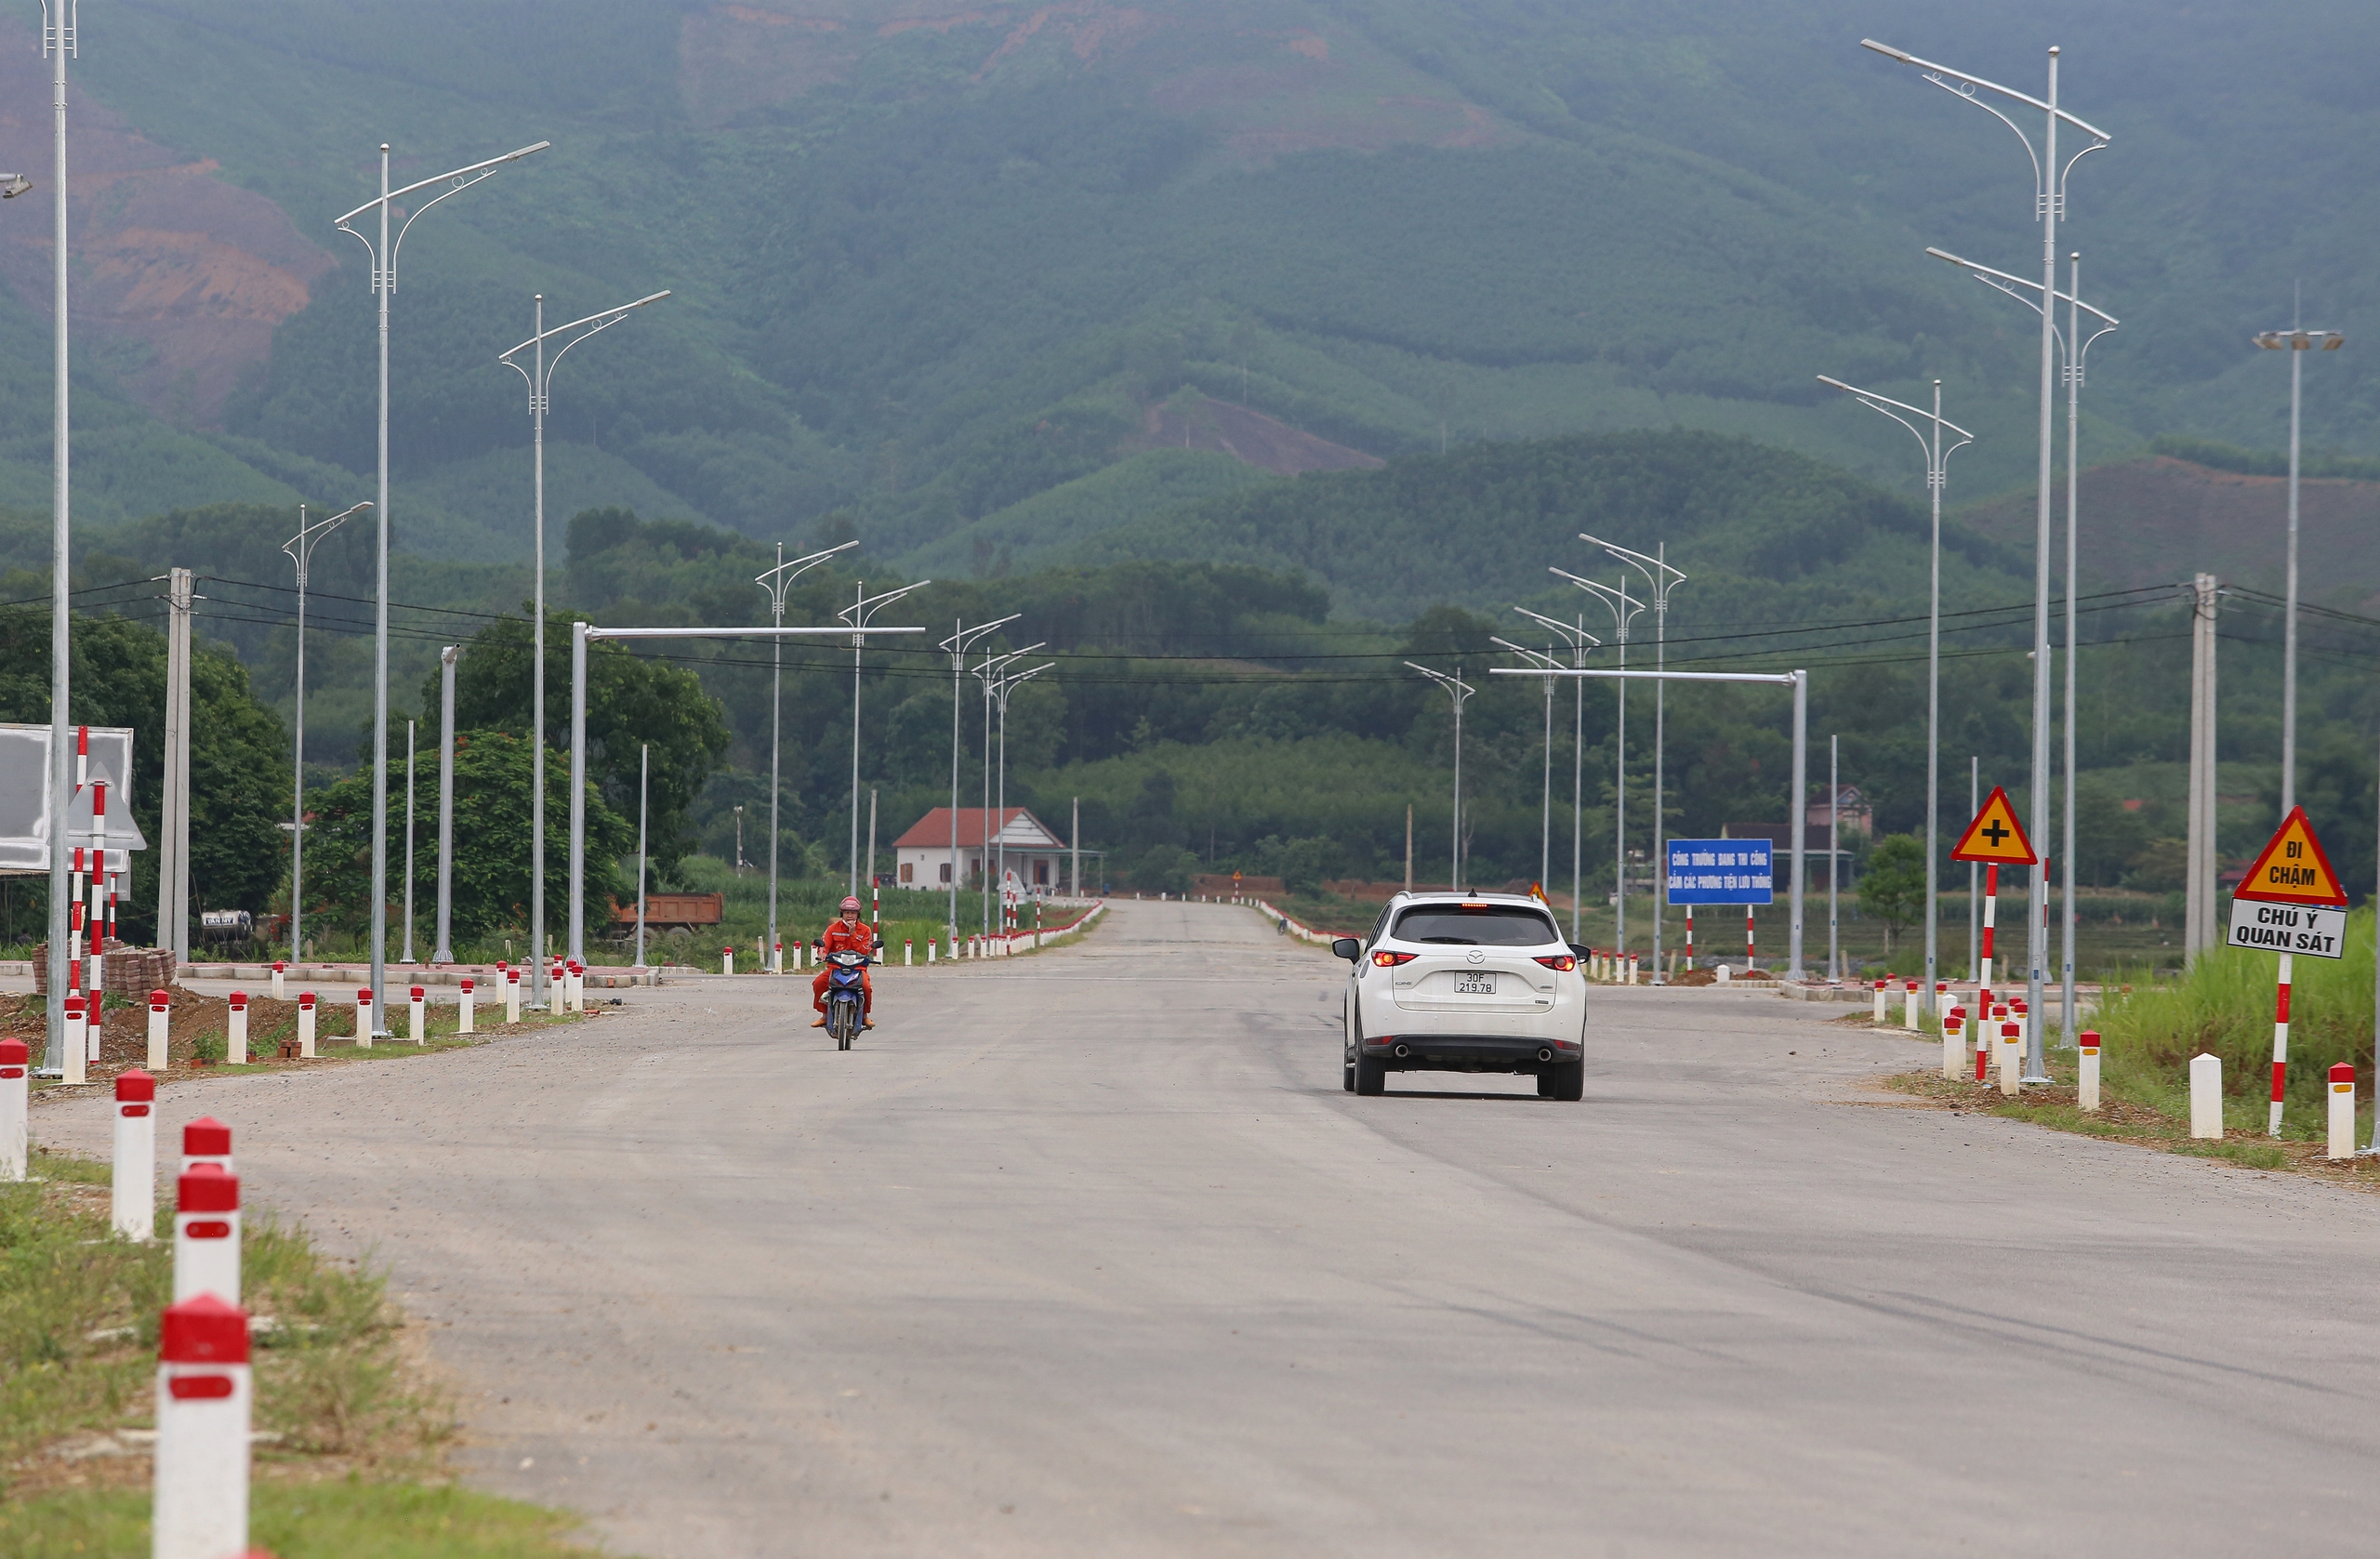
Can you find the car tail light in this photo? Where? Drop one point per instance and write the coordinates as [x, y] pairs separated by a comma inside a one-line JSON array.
[[1390, 960], [1563, 961]]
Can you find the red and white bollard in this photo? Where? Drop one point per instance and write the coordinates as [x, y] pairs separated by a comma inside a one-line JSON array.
[[1909, 1008], [417, 1004], [204, 1400], [132, 1177], [933, 945], [557, 984], [2342, 1122], [160, 1019], [575, 973], [364, 1016], [1955, 1043], [463, 1008], [2280, 1044], [513, 995], [2011, 1055], [1690, 936], [776, 956], [206, 1141], [727, 959], [1882, 987], [279, 969], [15, 1079], [1751, 943], [909, 951], [77, 1041], [2024, 1016], [236, 1031], [306, 1025], [2086, 1073], [207, 1235]]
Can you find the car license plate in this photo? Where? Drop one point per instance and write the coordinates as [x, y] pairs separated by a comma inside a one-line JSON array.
[[1466, 983]]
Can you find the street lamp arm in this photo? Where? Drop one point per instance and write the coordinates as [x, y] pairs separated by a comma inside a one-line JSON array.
[[1535, 656], [1568, 631], [2029, 101], [1652, 568], [776, 580], [601, 320], [2004, 281], [1871, 398], [961, 642], [857, 612], [481, 169], [1966, 95]]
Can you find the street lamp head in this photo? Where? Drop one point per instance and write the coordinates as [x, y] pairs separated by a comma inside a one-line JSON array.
[[13, 184], [1888, 51], [2300, 340]]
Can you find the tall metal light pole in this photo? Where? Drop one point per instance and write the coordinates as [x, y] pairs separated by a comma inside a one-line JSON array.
[[539, 375], [776, 581], [1545, 801], [442, 949], [961, 639], [1008, 683], [989, 673], [2050, 178], [857, 614], [301, 549], [1660, 579], [59, 41], [406, 956], [1938, 461], [1459, 690], [2297, 341], [2075, 348], [1623, 607], [384, 287], [1579, 639], [643, 784]]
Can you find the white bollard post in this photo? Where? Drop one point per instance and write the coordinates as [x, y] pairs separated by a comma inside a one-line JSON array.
[[1954, 1044], [206, 1141], [1909, 1008], [364, 1016], [279, 968], [557, 989], [161, 1018], [727, 960], [2087, 1086], [463, 1008], [931, 945], [15, 1079], [306, 1025], [2207, 1096], [77, 1041], [236, 1031], [575, 984], [909, 951], [2024, 1020], [207, 1235], [2342, 1122], [200, 1500], [417, 1005], [1881, 1000], [1726, 973], [513, 995], [132, 1177], [2011, 1056]]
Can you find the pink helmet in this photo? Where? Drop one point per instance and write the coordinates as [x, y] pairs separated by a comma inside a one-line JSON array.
[[851, 904]]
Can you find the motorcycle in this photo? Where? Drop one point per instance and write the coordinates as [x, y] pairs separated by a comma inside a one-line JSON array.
[[846, 1000]]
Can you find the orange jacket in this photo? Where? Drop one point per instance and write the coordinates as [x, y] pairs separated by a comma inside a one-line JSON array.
[[840, 938]]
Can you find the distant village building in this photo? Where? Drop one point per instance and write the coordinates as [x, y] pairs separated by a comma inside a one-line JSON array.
[[1013, 840], [1858, 816]]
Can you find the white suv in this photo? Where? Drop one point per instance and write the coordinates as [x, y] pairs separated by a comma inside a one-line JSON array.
[[1465, 982]]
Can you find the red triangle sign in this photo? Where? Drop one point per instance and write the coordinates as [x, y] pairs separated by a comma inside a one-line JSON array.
[[1996, 836], [2293, 869]]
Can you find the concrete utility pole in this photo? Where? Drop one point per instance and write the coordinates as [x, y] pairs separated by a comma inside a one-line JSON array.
[[442, 949], [2199, 898], [173, 850], [1076, 846]]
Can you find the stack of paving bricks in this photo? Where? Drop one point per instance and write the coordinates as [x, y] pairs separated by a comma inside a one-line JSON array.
[[128, 968]]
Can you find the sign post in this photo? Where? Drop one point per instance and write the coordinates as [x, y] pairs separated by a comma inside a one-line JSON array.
[[1993, 840], [2291, 902], [1721, 871]]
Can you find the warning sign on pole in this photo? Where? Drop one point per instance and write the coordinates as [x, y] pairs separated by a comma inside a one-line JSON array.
[[2288, 928], [1995, 838], [2293, 869]]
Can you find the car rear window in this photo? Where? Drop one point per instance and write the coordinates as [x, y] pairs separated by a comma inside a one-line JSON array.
[[1484, 925]]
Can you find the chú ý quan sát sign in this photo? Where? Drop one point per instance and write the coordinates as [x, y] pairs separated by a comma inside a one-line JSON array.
[[2288, 928]]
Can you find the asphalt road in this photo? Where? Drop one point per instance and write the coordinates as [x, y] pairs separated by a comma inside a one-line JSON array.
[[1089, 1254]]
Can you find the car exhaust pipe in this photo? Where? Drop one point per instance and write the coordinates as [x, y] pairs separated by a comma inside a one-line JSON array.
[[1402, 1052], [1545, 1054]]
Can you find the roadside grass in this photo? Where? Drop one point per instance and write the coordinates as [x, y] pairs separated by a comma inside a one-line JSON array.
[[350, 1431]]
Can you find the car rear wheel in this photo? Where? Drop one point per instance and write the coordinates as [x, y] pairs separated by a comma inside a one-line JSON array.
[[1564, 1081], [1371, 1077]]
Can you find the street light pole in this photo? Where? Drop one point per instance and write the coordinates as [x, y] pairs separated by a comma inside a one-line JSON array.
[[2050, 178], [406, 958], [1545, 808], [989, 673], [1660, 578], [776, 581], [58, 40], [1008, 685], [384, 285], [1578, 638], [961, 639], [863, 607], [1623, 607], [1937, 477], [442, 949], [2297, 340], [301, 549], [540, 377], [1459, 690]]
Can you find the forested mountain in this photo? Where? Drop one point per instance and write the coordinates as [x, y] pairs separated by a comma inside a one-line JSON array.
[[931, 259]]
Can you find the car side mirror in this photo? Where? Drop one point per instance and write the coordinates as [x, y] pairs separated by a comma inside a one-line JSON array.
[[1582, 952], [1347, 947]]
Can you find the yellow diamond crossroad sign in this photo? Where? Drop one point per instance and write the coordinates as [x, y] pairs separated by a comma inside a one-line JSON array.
[[1995, 838], [2293, 869]]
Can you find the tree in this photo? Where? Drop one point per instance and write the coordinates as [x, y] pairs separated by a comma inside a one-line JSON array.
[[1893, 888], [629, 701], [491, 868]]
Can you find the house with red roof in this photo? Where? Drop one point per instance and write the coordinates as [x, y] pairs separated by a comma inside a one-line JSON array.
[[1001, 841]]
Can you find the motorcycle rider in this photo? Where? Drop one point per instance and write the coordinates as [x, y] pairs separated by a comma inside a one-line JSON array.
[[849, 934]]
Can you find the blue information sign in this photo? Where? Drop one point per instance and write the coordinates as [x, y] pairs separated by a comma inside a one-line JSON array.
[[1721, 871]]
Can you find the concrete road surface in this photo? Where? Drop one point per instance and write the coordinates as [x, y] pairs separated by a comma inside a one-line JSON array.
[[1089, 1254]]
